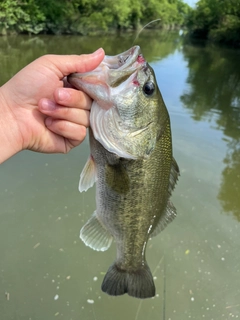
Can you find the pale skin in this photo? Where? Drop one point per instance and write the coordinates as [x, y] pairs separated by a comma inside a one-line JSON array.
[[39, 112]]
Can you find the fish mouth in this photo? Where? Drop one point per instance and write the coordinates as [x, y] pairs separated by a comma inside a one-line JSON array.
[[123, 65], [111, 72], [123, 60]]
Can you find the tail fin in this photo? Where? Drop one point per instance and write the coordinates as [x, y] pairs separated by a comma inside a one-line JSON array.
[[138, 284]]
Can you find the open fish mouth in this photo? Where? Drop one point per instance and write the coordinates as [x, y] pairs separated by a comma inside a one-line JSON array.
[[112, 71], [123, 65], [123, 60]]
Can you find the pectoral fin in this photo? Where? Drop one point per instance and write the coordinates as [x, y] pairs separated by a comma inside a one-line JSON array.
[[88, 176], [94, 234]]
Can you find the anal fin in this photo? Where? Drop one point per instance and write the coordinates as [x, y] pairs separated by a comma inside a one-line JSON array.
[[94, 234]]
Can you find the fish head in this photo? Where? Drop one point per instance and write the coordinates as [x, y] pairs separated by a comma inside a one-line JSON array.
[[128, 113]]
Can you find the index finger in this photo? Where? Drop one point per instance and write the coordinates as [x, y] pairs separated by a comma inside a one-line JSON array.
[[72, 98]]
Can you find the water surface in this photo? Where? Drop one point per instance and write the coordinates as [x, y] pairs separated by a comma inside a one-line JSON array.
[[48, 273]]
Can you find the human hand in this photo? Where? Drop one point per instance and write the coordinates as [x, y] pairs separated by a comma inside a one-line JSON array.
[[38, 113]]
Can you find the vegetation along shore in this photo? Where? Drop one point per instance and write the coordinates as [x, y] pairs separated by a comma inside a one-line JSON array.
[[213, 20]]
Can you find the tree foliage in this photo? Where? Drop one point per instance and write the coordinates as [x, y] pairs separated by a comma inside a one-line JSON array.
[[86, 16], [217, 20], [21, 16]]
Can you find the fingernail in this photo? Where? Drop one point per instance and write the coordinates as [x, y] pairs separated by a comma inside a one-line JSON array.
[[63, 94], [48, 121], [47, 105], [98, 51]]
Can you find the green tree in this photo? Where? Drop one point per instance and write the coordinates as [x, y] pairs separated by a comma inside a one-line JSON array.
[[21, 16], [171, 12], [217, 20], [86, 16]]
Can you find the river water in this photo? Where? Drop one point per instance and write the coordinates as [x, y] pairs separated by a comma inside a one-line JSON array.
[[46, 272]]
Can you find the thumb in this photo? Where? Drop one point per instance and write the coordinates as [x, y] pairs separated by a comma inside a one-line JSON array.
[[66, 64]]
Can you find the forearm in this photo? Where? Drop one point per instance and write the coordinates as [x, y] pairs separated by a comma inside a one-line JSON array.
[[9, 133]]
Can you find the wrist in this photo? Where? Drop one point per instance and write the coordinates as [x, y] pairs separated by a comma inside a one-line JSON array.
[[10, 139]]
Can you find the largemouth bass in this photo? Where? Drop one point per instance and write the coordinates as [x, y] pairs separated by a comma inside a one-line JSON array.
[[132, 164]]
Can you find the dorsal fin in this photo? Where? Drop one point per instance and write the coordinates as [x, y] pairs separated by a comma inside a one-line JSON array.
[[168, 216], [174, 174], [170, 211]]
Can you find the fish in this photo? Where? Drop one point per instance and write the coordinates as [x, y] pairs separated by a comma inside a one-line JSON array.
[[132, 164]]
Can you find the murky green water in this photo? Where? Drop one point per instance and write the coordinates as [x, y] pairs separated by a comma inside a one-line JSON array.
[[48, 272]]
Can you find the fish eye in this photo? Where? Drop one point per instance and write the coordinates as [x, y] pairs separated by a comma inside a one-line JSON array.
[[149, 88]]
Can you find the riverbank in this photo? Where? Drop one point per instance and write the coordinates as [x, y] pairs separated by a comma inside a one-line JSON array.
[[227, 37], [85, 18]]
